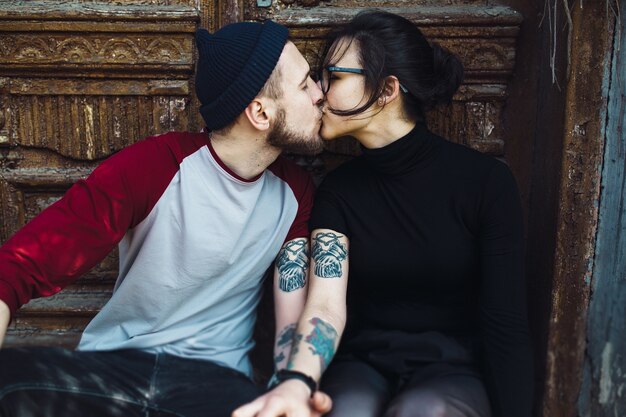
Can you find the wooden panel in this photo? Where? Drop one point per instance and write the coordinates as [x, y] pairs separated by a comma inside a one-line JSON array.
[[603, 390], [80, 122], [79, 81], [93, 52], [52, 330], [27, 191], [577, 219], [56, 320]]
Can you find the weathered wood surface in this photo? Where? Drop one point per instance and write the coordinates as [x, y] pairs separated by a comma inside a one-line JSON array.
[[603, 392], [577, 217], [78, 82]]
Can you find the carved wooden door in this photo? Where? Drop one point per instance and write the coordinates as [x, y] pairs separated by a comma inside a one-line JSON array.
[[80, 80]]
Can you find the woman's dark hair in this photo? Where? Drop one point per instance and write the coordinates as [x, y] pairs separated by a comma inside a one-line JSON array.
[[391, 45]]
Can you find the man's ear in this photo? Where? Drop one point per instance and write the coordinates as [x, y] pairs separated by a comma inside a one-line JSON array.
[[259, 112]]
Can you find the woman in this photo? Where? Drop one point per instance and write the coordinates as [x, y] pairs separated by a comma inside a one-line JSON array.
[[436, 322], [416, 249]]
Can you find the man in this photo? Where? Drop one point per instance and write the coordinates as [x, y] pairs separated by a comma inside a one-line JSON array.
[[199, 217]]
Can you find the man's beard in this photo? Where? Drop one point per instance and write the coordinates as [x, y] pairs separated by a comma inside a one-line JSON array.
[[293, 142]]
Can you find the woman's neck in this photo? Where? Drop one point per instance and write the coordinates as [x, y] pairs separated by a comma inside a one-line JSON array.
[[382, 131]]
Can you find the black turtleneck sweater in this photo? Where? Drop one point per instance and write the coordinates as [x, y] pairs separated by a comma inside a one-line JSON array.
[[436, 244]]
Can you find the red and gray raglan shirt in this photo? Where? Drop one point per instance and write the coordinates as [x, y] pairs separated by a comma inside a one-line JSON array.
[[195, 241]]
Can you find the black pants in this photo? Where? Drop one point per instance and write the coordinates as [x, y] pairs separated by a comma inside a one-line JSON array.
[[394, 374], [58, 382], [357, 389]]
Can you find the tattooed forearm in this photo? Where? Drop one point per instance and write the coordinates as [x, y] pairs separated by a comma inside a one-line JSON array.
[[285, 336], [322, 341], [283, 345], [279, 359], [328, 253], [294, 349], [292, 264]]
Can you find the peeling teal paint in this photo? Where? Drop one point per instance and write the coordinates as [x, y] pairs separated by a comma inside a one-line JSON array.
[[603, 392]]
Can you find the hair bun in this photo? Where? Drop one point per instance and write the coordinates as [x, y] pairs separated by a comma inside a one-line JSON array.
[[447, 75]]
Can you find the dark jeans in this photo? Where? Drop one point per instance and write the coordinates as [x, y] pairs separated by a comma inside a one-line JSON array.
[[59, 382]]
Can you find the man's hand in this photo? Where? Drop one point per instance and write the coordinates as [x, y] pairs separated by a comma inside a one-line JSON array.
[[5, 317], [320, 404], [289, 399]]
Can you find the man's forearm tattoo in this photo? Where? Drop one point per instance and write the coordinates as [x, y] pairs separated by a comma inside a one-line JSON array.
[[286, 335], [293, 264], [283, 344], [321, 340], [328, 253], [294, 349], [279, 359]]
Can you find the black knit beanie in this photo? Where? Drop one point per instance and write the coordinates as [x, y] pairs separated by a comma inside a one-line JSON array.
[[233, 65]]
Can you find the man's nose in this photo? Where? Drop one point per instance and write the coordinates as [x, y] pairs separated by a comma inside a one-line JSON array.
[[317, 95]]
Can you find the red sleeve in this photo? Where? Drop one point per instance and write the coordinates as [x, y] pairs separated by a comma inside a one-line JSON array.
[[303, 189], [78, 231]]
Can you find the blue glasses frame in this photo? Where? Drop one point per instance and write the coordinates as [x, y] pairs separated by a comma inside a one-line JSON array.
[[361, 71], [344, 69]]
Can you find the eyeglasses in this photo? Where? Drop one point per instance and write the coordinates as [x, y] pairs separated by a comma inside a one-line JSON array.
[[325, 77]]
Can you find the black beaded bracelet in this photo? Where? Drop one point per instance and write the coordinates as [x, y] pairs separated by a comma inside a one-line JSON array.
[[286, 374]]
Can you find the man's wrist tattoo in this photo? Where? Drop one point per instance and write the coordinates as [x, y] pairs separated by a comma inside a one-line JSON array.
[[283, 344], [297, 339]]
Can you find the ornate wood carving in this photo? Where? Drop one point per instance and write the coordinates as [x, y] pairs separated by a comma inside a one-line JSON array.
[[85, 80], [79, 81], [305, 3], [123, 53], [229, 11], [83, 40], [77, 120]]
